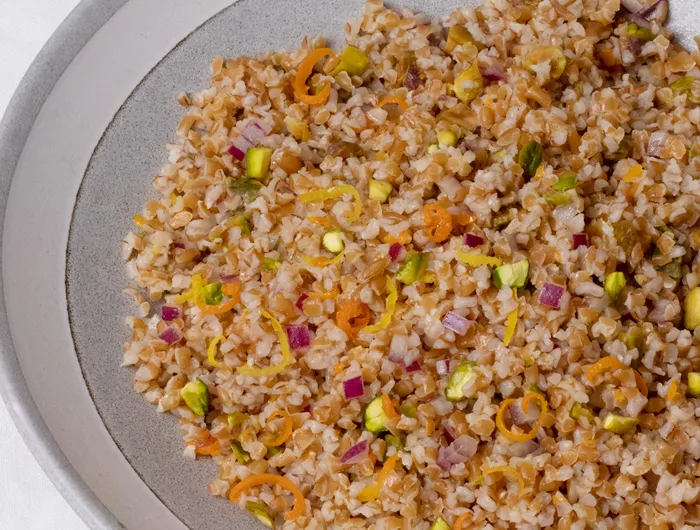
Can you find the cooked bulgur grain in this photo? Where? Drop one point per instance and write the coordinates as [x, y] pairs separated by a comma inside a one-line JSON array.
[[555, 140]]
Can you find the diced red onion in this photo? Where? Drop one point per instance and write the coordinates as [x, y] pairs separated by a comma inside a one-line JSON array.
[[443, 366], [522, 449], [179, 244], [493, 72], [656, 141], [264, 126], [518, 416], [456, 323], [450, 434], [395, 251], [229, 278], [580, 240], [636, 19], [300, 302], [307, 408], [632, 6], [168, 312], [354, 387], [458, 452], [550, 295], [403, 357], [357, 453], [472, 240], [657, 11], [415, 366], [171, 335], [298, 336], [239, 147], [254, 133]]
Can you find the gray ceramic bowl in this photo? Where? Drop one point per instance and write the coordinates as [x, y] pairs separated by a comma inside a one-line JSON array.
[[79, 145]]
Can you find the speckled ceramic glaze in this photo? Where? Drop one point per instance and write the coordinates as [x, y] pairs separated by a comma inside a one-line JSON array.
[[79, 147]]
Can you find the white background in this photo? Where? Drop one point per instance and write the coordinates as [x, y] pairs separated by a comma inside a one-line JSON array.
[[28, 500]]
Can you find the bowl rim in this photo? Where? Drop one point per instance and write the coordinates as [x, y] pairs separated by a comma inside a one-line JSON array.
[[38, 82]]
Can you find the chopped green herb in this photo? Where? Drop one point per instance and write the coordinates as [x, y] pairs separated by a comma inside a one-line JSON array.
[[530, 158], [247, 188], [271, 264], [242, 456], [673, 268], [614, 284], [212, 294], [413, 268], [566, 182], [376, 419], [512, 275], [458, 379], [196, 396]]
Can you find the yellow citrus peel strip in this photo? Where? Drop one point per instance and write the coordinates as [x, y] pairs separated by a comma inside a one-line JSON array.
[[477, 260], [335, 193], [390, 307], [284, 346], [211, 351]]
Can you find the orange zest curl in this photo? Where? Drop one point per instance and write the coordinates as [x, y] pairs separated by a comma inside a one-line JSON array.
[[352, 316], [306, 68], [516, 436], [389, 408], [286, 431], [459, 522], [370, 493], [208, 447], [604, 364], [299, 508], [641, 383], [509, 471], [438, 222]]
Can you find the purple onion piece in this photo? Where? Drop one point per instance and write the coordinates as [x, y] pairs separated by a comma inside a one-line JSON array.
[[171, 335], [580, 240], [300, 302], [179, 244], [412, 79], [493, 72], [168, 312], [298, 336], [458, 452], [395, 251], [456, 323], [415, 366], [254, 133], [228, 278], [449, 434], [632, 6], [639, 21], [657, 140], [472, 240], [357, 453], [657, 11], [550, 295], [353, 388], [443, 366], [307, 408]]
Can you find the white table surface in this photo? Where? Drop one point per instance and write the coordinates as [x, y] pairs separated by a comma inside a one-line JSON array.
[[28, 500]]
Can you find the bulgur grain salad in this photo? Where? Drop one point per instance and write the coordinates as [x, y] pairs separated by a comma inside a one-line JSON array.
[[446, 277]]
